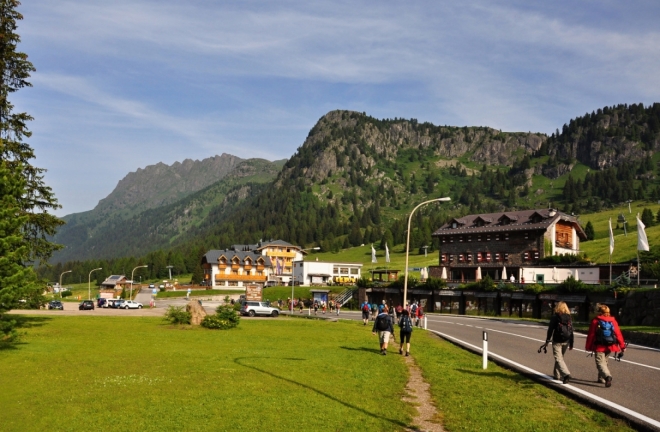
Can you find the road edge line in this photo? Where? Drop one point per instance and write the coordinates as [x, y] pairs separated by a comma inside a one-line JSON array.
[[639, 421]]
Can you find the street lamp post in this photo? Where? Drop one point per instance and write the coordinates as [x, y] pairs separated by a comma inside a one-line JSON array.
[[293, 273], [63, 273], [89, 284], [405, 278], [143, 266]]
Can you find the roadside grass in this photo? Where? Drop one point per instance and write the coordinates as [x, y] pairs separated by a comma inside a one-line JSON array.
[[197, 293], [472, 399], [115, 373]]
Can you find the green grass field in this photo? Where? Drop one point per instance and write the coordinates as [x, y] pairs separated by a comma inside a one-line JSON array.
[[121, 373], [625, 247]]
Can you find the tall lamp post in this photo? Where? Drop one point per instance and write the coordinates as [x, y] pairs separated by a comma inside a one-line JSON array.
[[89, 284], [405, 277], [293, 272], [63, 273], [143, 266]]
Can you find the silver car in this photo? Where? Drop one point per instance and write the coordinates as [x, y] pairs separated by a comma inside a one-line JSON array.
[[252, 308]]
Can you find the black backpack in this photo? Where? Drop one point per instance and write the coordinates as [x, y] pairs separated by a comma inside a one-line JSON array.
[[382, 323], [406, 324], [564, 328]]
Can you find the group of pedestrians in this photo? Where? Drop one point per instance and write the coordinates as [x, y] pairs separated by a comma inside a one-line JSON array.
[[604, 338], [384, 324]]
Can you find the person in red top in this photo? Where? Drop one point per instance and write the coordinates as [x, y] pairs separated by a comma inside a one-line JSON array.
[[604, 338]]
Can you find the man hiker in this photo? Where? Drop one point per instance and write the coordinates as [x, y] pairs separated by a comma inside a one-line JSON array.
[[406, 328], [383, 326], [365, 312]]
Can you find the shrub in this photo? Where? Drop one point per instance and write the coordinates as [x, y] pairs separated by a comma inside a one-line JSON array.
[[66, 293], [535, 288], [435, 283], [225, 318], [177, 315], [229, 314]]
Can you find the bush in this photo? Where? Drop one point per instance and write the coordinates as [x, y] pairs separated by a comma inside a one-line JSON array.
[[535, 288], [435, 283], [66, 293], [225, 318], [177, 315]]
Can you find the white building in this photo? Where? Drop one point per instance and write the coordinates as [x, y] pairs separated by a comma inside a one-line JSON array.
[[325, 273], [557, 275]]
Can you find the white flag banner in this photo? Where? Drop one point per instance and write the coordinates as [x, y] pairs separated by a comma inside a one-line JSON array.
[[373, 254], [611, 238], [642, 241], [387, 253]]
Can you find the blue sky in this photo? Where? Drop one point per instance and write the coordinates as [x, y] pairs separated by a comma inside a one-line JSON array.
[[125, 84]]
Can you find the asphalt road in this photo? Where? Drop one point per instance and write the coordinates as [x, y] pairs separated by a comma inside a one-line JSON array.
[[636, 378]]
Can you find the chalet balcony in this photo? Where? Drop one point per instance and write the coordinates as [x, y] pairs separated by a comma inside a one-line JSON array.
[[247, 267], [565, 245], [244, 278]]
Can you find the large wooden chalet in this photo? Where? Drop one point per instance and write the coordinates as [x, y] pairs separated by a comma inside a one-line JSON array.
[[506, 241]]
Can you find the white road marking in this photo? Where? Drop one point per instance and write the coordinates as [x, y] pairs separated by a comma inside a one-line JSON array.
[[616, 406], [575, 349]]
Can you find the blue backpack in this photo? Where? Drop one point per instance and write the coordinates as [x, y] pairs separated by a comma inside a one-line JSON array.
[[605, 333]]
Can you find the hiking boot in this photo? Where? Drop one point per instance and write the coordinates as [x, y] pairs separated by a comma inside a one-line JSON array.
[[566, 379], [400, 350], [608, 381], [408, 354], [383, 352]]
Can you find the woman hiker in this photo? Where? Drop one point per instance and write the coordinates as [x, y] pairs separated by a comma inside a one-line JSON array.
[[560, 333], [604, 338], [405, 331]]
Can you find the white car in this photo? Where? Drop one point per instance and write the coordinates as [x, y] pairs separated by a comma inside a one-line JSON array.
[[130, 304]]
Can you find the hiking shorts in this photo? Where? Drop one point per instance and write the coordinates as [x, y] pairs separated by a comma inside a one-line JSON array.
[[365, 314], [384, 336]]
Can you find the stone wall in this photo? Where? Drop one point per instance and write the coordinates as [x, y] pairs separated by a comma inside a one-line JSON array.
[[641, 308]]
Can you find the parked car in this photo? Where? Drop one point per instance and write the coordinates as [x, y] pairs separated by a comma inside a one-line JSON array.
[[86, 305], [115, 303], [152, 286], [252, 308], [130, 304], [55, 304]]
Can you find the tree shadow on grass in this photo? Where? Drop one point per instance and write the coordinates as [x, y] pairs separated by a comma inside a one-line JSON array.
[[238, 361], [371, 350], [20, 322], [26, 322]]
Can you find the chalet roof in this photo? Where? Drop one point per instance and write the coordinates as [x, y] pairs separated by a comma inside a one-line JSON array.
[[113, 280], [211, 257], [262, 244], [523, 220]]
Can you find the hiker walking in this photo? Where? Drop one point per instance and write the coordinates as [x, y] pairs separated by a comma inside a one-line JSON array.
[[604, 338], [405, 331], [374, 311], [365, 312], [316, 307], [560, 333], [337, 307], [383, 326]]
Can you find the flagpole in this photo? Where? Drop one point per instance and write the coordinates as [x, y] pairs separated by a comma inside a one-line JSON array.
[[639, 269]]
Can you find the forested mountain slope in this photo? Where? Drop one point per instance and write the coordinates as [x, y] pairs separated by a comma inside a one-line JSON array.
[[139, 230]]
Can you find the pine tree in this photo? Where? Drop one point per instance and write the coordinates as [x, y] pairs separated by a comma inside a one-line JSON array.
[[36, 198], [589, 231], [647, 217], [17, 281]]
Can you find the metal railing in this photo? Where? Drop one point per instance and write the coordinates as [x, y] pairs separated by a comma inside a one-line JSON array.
[[345, 296]]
